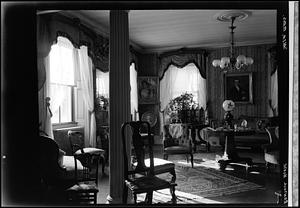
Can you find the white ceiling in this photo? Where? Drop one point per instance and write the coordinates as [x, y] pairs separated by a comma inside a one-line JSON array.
[[163, 30]]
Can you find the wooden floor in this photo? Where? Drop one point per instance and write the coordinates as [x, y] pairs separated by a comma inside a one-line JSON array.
[[256, 175]]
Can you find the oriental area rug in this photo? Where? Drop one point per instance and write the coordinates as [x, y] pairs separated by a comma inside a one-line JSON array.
[[198, 184]]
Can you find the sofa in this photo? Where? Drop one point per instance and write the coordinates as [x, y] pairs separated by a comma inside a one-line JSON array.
[[260, 137], [254, 141]]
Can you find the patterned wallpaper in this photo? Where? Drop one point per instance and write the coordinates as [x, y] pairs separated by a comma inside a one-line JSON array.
[[260, 73]]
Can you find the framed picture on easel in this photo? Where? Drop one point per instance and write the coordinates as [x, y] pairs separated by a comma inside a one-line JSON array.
[[148, 90]]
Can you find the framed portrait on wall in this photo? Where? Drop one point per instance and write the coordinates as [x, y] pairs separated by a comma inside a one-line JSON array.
[[239, 87], [148, 90]]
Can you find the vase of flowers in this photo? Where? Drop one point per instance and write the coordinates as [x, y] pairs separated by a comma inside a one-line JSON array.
[[182, 107], [228, 106]]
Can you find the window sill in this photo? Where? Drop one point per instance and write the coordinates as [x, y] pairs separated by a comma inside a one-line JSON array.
[[65, 125]]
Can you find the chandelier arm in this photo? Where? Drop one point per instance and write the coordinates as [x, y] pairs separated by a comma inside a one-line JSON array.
[[232, 62], [232, 58]]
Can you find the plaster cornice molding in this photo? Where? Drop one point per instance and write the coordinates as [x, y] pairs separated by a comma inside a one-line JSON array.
[[210, 45]]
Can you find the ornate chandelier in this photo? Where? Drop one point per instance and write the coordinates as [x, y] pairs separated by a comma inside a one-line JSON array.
[[231, 62]]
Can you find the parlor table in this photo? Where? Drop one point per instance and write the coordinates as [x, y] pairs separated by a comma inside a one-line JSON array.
[[230, 154]]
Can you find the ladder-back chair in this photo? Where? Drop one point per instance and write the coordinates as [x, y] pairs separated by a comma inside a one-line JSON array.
[[140, 178]]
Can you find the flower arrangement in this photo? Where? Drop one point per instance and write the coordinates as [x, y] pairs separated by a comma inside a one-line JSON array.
[[101, 102], [180, 108], [183, 102], [228, 105]]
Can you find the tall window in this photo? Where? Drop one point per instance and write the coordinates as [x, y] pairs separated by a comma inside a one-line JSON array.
[[133, 92], [102, 83], [62, 82], [177, 81], [102, 87]]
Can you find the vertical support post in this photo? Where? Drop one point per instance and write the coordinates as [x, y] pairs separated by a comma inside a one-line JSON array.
[[119, 93]]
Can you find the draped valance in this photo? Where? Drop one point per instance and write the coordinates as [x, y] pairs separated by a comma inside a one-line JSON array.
[[50, 26], [101, 53], [181, 59]]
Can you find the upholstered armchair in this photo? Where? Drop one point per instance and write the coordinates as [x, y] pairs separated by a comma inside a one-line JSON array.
[[176, 140], [271, 150]]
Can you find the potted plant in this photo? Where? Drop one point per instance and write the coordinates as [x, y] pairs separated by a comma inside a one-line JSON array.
[[184, 107], [101, 110]]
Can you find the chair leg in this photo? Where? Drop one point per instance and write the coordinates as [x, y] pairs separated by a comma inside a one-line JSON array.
[[279, 197], [135, 198], [267, 168], [95, 198], [149, 197], [187, 158], [165, 156], [125, 194], [174, 201], [192, 160], [173, 173], [207, 146]]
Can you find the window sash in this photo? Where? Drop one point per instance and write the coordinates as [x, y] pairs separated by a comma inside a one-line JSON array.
[[62, 81], [66, 110]]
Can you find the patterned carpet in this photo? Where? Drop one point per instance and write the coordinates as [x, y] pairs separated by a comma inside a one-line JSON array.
[[205, 180]]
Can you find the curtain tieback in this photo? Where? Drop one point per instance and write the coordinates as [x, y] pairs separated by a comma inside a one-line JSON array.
[[48, 105]]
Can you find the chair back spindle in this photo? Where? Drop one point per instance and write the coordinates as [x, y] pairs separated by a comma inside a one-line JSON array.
[[76, 140], [140, 145]]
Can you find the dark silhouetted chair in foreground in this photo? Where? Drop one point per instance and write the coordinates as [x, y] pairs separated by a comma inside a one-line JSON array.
[[86, 188], [140, 178], [57, 171]]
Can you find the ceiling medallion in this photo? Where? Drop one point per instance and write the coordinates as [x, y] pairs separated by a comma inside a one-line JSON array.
[[226, 16]]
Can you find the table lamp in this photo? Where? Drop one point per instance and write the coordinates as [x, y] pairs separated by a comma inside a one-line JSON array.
[[228, 106]]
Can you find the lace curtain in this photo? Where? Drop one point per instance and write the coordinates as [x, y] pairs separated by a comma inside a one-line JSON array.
[[43, 49], [273, 96], [49, 28], [180, 80], [62, 74], [102, 83], [61, 63], [85, 69]]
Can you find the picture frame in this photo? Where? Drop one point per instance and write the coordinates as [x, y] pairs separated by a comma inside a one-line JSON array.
[[148, 90], [238, 87]]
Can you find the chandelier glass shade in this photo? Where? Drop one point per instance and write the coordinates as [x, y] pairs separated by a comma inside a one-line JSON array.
[[232, 62]]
